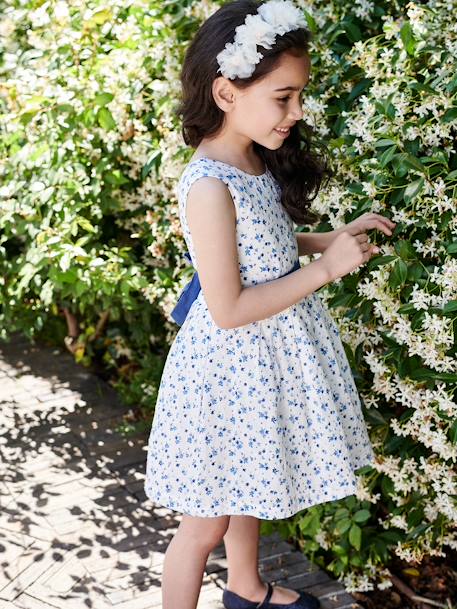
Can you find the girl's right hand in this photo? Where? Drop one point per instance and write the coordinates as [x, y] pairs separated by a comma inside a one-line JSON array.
[[346, 253]]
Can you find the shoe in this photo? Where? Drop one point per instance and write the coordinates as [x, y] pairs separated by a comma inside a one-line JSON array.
[[231, 600]]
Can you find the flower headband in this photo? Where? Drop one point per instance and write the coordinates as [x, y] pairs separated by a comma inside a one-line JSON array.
[[275, 17]]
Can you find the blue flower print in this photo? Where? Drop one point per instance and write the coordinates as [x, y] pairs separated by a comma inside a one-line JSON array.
[[262, 419]]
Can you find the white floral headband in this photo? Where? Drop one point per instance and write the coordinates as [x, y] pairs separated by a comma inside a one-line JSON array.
[[275, 17]]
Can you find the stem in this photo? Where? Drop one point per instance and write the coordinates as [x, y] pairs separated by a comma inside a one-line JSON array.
[[100, 325], [407, 591], [72, 323]]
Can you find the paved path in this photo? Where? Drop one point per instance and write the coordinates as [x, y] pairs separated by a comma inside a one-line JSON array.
[[76, 530]]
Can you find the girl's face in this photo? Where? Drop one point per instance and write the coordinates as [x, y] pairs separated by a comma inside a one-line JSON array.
[[273, 103]]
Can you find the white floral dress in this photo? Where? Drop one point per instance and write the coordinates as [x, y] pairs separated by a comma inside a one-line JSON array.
[[263, 419]]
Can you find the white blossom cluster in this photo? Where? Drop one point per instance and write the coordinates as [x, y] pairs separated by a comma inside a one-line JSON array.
[[417, 114]]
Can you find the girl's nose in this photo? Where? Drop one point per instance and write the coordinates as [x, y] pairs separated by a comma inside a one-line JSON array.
[[298, 112]]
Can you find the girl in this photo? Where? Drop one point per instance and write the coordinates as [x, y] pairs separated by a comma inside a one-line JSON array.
[[257, 415]]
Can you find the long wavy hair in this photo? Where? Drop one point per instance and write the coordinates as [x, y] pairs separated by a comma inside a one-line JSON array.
[[296, 165]]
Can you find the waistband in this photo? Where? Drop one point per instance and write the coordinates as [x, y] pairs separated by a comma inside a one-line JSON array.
[[191, 290]]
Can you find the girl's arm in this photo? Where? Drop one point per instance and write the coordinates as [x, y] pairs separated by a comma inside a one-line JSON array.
[[211, 217], [313, 243]]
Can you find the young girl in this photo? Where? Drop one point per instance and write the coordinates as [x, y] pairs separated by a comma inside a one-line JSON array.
[[257, 415]]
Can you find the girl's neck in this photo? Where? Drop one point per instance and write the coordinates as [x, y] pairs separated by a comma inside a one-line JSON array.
[[253, 164]]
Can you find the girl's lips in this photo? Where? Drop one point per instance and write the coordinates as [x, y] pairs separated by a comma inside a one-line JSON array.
[[283, 133]]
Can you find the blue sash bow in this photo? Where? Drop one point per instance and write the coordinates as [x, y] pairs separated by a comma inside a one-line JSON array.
[[191, 290]]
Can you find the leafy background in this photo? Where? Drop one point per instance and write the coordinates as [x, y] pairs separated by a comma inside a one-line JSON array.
[[91, 245]]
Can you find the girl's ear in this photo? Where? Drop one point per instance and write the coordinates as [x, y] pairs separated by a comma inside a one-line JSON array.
[[223, 93]]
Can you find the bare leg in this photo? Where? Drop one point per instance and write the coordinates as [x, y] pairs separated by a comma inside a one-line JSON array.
[[242, 550], [186, 557]]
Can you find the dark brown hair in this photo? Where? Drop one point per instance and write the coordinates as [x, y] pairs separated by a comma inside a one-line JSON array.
[[298, 169]]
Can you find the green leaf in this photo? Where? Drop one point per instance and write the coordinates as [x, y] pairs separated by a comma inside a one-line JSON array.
[[99, 17], [343, 525], [379, 261], [341, 513], [417, 531], [453, 432], [387, 486], [355, 536], [391, 537], [403, 248], [361, 516], [387, 156], [358, 89], [413, 162], [407, 308], [413, 189], [153, 161], [406, 35], [105, 119], [103, 98], [425, 374], [86, 225], [450, 115], [415, 271], [116, 177], [312, 25], [341, 300], [450, 306], [398, 274], [351, 501], [384, 142], [381, 549], [375, 417], [310, 524], [416, 321], [339, 550], [352, 31]]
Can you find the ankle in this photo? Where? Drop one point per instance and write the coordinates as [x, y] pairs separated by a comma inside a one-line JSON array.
[[249, 591]]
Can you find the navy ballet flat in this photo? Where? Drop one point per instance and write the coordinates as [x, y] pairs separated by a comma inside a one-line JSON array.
[[231, 600]]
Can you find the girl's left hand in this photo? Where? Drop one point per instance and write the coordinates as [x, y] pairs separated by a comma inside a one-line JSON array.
[[367, 221]]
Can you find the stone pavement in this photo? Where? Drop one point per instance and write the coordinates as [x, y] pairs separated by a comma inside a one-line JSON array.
[[76, 529]]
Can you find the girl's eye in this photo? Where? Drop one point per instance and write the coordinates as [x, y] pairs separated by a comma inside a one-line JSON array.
[[284, 99]]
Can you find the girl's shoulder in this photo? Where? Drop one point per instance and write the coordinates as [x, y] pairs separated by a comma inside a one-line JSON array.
[[203, 165], [206, 167], [231, 175], [242, 186]]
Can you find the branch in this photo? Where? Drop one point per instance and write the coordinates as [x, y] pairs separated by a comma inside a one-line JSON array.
[[424, 602], [100, 325]]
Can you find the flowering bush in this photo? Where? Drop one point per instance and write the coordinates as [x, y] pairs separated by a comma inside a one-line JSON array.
[[387, 105], [92, 152], [86, 227]]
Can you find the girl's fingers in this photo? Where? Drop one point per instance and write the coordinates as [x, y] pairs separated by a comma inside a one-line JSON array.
[[391, 225], [380, 225]]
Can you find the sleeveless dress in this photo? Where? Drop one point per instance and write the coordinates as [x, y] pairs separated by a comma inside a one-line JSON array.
[[263, 419]]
